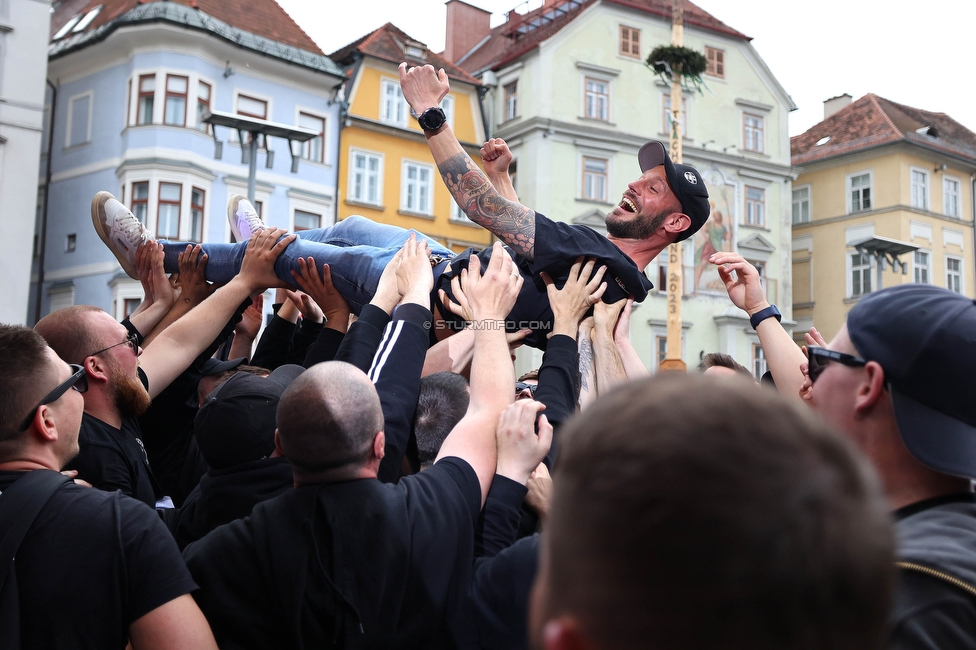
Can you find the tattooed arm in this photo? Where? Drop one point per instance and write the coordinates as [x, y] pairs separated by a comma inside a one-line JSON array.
[[510, 221]]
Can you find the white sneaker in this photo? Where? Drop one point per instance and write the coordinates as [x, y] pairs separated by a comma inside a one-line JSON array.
[[120, 230], [243, 218]]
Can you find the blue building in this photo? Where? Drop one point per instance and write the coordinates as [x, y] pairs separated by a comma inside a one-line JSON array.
[[129, 83]]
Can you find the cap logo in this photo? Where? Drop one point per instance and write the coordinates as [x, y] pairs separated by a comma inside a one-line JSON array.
[[691, 178]]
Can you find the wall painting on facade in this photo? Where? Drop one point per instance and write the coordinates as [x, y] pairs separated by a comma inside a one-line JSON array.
[[718, 233]]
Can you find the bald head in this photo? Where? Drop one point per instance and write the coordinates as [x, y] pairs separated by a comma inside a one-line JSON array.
[[69, 331], [328, 418]]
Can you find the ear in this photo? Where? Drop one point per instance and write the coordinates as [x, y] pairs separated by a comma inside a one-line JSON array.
[[278, 451], [871, 390], [677, 222], [44, 423], [379, 445], [96, 368], [563, 634]]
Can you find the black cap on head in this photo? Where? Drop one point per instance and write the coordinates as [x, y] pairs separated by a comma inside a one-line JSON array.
[[924, 337], [685, 181], [215, 366], [236, 423]]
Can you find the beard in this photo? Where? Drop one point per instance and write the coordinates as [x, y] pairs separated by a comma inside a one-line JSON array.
[[131, 397], [640, 227]]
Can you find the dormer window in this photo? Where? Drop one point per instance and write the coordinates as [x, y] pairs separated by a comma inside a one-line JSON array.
[[87, 20], [415, 51], [67, 27]]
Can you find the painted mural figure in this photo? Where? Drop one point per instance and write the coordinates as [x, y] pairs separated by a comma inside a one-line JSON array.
[[711, 239]]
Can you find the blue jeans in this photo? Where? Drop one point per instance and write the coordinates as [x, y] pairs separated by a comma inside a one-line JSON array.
[[356, 249]]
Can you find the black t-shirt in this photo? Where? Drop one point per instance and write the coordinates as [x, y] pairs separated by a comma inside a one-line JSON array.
[[351, 564], [91, 564], [557, 245]]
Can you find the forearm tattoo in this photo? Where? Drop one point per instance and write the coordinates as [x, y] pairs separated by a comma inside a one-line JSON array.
[[511, 222]]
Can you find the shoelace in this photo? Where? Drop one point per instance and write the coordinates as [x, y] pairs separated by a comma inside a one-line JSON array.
[[133, 231]]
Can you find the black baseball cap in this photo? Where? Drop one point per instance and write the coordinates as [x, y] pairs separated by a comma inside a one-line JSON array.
[[215, 366], [685, 181], [236, 423], [924, 337]]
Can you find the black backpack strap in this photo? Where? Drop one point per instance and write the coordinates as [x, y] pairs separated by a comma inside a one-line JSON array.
[[19, 506]]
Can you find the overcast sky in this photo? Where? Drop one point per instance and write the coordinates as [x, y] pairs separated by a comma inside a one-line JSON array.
[[816, 48]]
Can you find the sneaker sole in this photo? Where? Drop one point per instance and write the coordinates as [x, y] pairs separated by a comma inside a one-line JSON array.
[[98, 220], [232, 204]]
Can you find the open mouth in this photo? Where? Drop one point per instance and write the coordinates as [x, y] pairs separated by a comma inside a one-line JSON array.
[[627, 205]]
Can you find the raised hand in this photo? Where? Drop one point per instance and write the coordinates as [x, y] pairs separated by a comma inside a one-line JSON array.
[[387, 296], [252, 318], [745, 288], [414, 276], [578, 294], [263, 248], [193, 277], [309, 309], [520, 450], [321, 290], [496, 157], [422, 87]]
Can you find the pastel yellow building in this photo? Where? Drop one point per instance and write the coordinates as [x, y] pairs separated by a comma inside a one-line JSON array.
[[885, 197], [386, 172]]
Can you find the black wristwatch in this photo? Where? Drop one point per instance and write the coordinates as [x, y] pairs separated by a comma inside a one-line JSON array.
[[763, 314], [432, 119]]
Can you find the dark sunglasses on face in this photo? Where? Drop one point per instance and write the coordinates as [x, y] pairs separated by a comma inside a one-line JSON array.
[[78, 380], [131, 340], [521, 385], [819, 358]]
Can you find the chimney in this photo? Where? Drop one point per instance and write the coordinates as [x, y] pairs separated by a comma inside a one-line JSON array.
[[467, 26], [834, 104]]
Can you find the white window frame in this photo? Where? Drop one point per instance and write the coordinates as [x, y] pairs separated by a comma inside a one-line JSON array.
[[758, 360], [850, 189], [745, 206], [125, 289], [587, 78], [946, 180], [505, 99], [325, 133], [187, 181], [159, 98], [351, 181], [405, 185], [582, 176], [447, 105], [927, 196], [961, 276], [916, 267], [808, 201], [762, 127], [91, 109], [389, 82], [850, 274]]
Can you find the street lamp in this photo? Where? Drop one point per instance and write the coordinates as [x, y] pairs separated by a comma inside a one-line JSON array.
[[256, 128]]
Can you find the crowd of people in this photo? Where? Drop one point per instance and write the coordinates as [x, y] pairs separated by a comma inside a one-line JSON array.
[[370, 473]]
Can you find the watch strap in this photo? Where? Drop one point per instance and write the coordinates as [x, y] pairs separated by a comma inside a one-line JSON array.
[[769, 312]]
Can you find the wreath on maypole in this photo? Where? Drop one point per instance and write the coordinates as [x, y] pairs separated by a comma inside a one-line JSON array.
[[676, 61]]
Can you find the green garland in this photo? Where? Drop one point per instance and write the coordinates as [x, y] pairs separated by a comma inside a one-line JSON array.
[[687, 64]]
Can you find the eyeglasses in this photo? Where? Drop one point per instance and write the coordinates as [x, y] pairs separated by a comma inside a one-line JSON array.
[[521, 385], [78, 380], [819, 358], [131, 340]]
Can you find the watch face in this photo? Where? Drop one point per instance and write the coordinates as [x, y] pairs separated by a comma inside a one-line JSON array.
[[432, 119]]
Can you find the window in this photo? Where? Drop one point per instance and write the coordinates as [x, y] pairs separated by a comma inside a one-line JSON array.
[[364, 181], [860, 274], [196, 214], [313, 149], [79, 120], [630, 41], [203, 105], [950, 196], [758, 361], [597, 99], [920, 189], [921, 267], [128, 111], [511, 100], [595, 178], [140, 201], [307, 220], [666, 103], [176, 89], [716, 62], [801, 205], [755, 206], [447, 105], [457, 214], [860, 192], [393, 109], [752, 127], [130, 305], [71, 245], [147, 93], [87, 20], [252, 107], [168, 221], [417, 188], [954, 274], [661, 345]]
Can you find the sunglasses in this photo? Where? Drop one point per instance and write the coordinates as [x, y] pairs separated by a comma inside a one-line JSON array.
[[521, 385], [819, 358], [131, 340], [78, 380]]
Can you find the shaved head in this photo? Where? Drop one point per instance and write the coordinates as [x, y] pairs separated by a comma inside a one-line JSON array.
[[69, 333], [328, 418]]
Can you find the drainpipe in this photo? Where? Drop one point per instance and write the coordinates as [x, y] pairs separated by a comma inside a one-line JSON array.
[[42, 240]]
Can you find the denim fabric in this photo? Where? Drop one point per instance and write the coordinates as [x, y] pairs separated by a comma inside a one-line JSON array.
[[356, 249]]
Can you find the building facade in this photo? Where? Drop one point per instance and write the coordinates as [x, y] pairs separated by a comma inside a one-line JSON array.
[[133, 83], [387, 173], [24, 26], [881, 182], [569, 90]]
